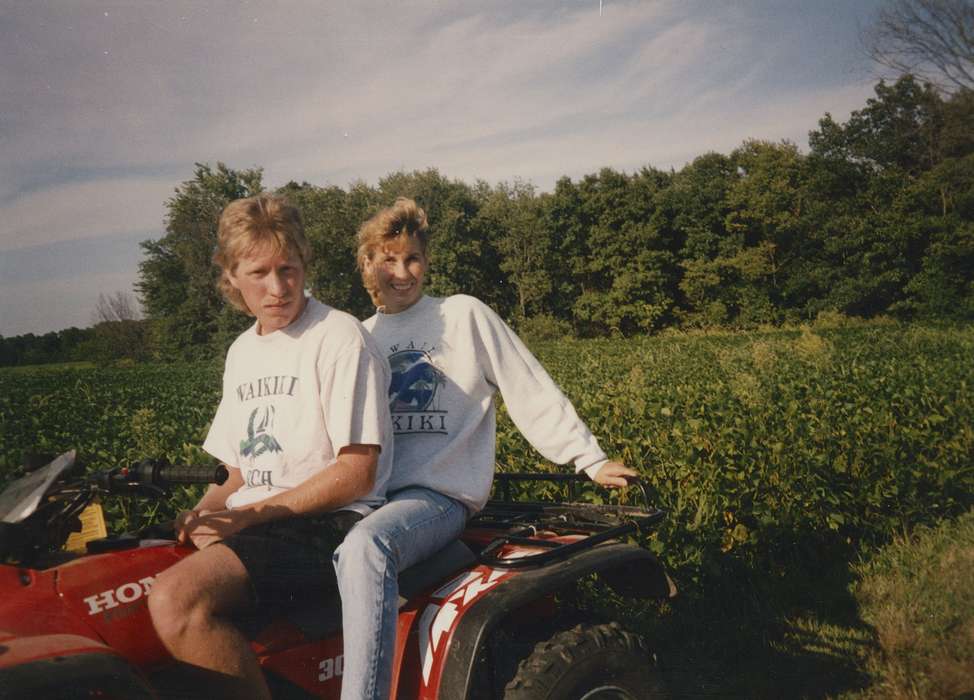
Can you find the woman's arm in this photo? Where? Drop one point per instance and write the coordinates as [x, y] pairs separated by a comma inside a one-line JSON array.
[[539, 409]]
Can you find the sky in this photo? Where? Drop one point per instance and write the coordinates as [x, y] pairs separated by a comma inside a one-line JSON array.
[[106, 106]]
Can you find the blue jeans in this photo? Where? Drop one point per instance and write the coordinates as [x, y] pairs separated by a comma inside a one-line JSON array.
[[413, 525]]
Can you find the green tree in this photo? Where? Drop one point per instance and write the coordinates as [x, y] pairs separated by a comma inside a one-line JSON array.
[[696, 203], [177, 278], [899, 128], [512, 217], [730, 290], [766, 221], [331, 218], [625, 263]]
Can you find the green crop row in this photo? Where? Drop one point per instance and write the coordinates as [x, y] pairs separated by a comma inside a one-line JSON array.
[[760, 446], [765, 447]]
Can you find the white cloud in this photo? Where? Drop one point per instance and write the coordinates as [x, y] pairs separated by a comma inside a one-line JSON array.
[[84, 210]]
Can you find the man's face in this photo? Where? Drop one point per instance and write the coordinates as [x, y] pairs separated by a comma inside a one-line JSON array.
[[272, 286]]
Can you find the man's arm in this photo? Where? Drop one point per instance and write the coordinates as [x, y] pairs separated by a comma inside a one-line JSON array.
[[345, 480], [216, 495], [214, 499]]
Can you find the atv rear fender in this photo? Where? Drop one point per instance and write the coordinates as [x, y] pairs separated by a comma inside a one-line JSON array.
[[628, 569], [66, 666]]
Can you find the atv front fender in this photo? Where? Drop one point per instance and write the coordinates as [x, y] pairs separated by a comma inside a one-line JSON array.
[[628, 569], [65, 666]]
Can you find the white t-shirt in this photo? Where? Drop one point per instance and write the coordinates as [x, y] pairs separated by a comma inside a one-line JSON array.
[[448, 359], [293, 398]]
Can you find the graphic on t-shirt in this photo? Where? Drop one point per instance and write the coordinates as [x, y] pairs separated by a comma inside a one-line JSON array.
[[414, 381], [259, 439]]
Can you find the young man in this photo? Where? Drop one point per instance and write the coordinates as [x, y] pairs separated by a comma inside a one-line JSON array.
[[304, 428]]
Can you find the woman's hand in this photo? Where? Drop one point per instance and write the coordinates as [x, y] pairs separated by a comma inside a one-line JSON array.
[[613, 475]]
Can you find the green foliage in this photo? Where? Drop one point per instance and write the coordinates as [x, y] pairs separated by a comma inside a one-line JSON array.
[[331, 219], [177, 277], [900, 128], [112, 416], [768, 447], [876, 219], [917, 596], [757, 444], [619, 253], [511, 215], [543, 327]]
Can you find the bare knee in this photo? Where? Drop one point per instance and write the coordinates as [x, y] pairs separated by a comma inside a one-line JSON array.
[[173, 607]]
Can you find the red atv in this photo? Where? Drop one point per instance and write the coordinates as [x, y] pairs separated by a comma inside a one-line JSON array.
[[484, 618]]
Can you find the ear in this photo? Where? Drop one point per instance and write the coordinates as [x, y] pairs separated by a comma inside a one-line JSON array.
[[232, 279]]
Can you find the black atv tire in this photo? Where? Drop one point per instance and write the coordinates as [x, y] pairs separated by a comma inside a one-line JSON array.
[[588, 662]]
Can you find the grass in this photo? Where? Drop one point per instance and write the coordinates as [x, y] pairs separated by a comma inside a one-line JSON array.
[[898, 625], [918, 597]]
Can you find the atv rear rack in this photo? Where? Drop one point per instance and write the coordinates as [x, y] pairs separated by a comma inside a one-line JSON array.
[[594, 523]]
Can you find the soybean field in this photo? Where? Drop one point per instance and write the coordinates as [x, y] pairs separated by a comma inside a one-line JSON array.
[[783, 457]]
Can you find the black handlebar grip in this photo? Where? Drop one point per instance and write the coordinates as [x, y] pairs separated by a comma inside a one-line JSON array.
[[168, 474]]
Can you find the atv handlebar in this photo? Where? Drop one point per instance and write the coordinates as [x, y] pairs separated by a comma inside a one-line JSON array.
[[160, 474], [595, 523], [55, 517]]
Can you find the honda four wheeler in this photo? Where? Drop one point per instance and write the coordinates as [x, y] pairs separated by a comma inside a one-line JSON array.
[[489, 616]]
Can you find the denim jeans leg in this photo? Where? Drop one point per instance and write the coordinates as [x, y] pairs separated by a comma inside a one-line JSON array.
[[413, 525]]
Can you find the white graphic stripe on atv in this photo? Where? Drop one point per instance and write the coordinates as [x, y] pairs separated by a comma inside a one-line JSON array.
[[438, 619]]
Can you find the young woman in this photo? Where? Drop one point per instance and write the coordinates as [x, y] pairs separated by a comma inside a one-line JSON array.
[[448, 356]]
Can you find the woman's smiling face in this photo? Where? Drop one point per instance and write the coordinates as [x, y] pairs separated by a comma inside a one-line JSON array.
[[399, 268]]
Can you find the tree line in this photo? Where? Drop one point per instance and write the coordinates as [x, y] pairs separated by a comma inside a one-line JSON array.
[[876, 218]]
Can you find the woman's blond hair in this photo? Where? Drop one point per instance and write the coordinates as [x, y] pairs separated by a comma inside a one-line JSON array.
[[254, 224], [403, 218]]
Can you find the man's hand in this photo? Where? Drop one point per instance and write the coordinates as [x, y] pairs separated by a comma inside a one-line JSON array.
[[205, 527], [613, 474], [181, 523]]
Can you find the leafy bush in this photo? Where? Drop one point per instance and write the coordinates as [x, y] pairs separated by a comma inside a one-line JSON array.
[[543, 327]]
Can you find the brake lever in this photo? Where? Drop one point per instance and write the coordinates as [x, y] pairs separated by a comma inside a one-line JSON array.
[[139, 489]]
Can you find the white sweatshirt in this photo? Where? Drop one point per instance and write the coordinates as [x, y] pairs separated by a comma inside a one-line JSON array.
[[448, 358]]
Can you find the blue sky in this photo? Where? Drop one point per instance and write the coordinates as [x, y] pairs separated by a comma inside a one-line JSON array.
[[106, 106]]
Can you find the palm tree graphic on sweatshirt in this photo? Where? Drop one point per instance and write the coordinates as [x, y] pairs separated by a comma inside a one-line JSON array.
[[259, 440]]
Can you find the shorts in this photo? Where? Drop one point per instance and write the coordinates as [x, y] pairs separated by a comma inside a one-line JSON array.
[[289, 561]]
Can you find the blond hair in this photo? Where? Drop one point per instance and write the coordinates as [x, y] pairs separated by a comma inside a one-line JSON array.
[[403, 218], [252, 224]]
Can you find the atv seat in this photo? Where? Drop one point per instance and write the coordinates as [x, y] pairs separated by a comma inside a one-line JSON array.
[[319, 620]]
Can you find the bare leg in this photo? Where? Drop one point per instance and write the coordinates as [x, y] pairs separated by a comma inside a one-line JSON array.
[[189, 604]]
